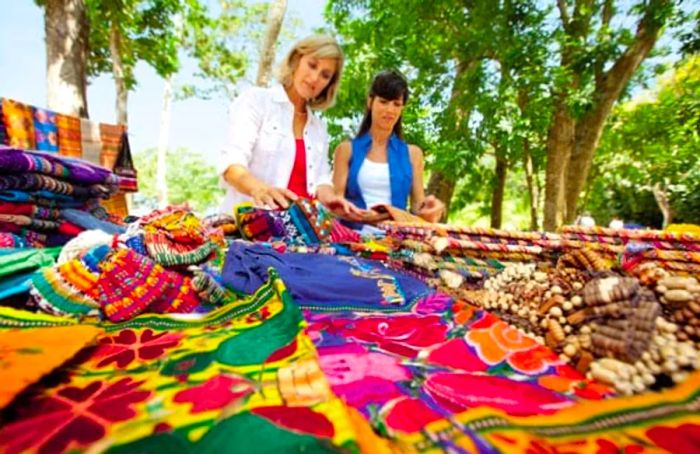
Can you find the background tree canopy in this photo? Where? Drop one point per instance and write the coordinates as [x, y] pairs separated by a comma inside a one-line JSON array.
[[510, 101], [529, 112]]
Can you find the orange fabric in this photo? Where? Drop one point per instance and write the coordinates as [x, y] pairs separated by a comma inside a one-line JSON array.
[[69, 136], [26, 355], [117, 205], [110, 136], [19, 124]]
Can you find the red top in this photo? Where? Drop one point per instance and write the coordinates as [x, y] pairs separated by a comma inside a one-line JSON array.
[[297, 181]]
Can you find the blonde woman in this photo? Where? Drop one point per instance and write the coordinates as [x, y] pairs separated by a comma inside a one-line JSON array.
[[277, 148]]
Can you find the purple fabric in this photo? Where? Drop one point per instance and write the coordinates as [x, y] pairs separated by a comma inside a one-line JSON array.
[[3, 131], [13, 161], [36, 182]]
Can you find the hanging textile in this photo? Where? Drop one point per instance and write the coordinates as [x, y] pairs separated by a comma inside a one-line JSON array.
[[19, 124], [90, 141], [69, 137], [110, 136], [45, 129]]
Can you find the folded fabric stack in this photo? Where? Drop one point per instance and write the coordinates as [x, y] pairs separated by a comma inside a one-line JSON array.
[[47, 199], [33, 128], [452, 255], [166, 262], [678, 252]]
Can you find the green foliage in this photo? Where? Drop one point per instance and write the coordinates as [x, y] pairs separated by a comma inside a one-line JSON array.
[[221, 45], [477, 74], [190, 179], [147, 29], [652, 142]]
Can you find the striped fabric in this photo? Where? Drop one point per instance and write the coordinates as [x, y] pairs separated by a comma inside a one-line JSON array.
[[110, 136], [69, 143]]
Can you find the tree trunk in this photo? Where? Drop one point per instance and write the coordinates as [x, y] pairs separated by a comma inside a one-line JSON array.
[[267, 53], [118, 73], [559, 144], [608, 90], [66, 30], [164, 134], [443, 187], [664, 205], [532, 186], [498, 192]]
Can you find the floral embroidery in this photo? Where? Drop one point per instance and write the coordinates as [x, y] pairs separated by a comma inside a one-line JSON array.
[[496, 341], [73, 416], [217, 392], [128, 346]]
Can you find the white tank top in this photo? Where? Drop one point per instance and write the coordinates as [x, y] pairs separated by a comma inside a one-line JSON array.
[[373, 179]]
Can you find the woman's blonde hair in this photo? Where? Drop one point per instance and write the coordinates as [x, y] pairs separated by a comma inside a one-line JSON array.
[[317, 46]]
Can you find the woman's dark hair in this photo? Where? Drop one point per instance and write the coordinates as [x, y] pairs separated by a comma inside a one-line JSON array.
[[389, 85]]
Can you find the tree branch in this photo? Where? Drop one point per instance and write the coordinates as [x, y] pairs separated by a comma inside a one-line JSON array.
[[565, 19], [603, 36]]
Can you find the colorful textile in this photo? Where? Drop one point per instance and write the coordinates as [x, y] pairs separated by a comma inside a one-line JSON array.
[[90, 141], [241, 379], [21, 260], [88, 221], [27, 355], [69, 136], [304, 222], [110, 136], [37, 182], [10, 240], [323, 282], [19, 124], [665, 422], [130, 284], [30, 210], [16, 161], [174, 236], [405, 370], [67, 289], [124, 167], [20, 318], [45, 129]]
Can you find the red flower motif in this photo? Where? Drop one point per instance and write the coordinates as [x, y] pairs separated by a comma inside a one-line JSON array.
[[126, 346], [405, 335], [217, 392], [495, 341], [682, 439], [608, 447], [542, 446], [455, 353], [72, 417]]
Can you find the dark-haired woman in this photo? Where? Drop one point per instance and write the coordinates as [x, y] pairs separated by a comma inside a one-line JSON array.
[[377, 166]]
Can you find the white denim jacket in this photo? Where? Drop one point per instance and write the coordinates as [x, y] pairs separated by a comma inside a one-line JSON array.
[[261, 138]]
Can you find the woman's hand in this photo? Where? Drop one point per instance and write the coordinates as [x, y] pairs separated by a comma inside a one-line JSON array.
[[431, 209], [340, 206], [270, 197]]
